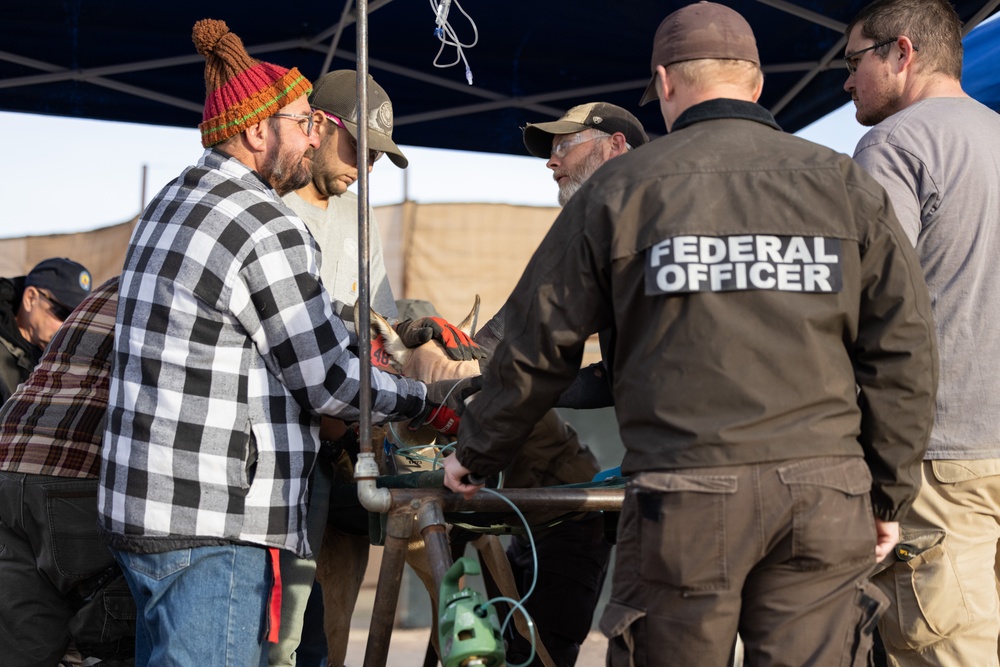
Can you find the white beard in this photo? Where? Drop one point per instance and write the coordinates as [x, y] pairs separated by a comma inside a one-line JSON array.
[[585, 170]]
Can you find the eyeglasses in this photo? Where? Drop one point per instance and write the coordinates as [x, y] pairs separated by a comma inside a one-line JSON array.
[[852, 60], [59, 311], [307, 118], [560, 150], [373, 155]]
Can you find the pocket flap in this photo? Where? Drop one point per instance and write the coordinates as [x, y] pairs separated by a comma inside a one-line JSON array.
[[849, 475], [679, 481], [914, 544], [617, 617], [952, 472]]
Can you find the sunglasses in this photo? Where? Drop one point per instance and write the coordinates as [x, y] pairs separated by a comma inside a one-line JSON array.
[[59, 311], [373, 155]]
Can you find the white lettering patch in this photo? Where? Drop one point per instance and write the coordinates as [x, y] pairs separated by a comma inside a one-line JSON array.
[[744, 262]]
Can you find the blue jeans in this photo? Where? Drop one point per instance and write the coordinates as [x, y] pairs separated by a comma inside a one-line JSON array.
[[200, 606]]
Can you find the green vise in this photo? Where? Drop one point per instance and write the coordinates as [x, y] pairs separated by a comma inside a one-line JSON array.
[[468, 628]]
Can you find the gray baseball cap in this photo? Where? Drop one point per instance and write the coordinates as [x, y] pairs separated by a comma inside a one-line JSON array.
[[336, 93]]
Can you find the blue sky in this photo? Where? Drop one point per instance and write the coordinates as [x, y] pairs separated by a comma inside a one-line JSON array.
[[68, 174]]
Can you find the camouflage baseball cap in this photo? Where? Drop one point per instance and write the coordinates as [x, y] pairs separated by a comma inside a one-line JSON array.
[[594, 115]]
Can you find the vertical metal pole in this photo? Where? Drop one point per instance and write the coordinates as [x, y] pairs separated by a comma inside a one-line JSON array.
[[364, 297], [142, 191]]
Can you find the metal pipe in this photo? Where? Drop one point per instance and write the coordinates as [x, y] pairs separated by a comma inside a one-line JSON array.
[[364, 298], [568, 500], [336, 38], [433, 529], [366, 470], [397, 539]]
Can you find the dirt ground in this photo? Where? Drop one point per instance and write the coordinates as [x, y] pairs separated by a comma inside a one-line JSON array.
[[408, 646]]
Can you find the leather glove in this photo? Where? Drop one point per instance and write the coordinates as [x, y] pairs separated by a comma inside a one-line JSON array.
[[457, 344], [445, 403]]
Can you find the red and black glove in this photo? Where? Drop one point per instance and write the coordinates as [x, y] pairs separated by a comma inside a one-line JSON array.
[[457, 344], [445, 403]]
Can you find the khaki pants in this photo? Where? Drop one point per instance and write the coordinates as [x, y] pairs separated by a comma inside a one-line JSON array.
[[779, 552], [298, 574], [945, 609]]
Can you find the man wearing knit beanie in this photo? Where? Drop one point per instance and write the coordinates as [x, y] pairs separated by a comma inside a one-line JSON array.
[[227, 352], [240, 93]]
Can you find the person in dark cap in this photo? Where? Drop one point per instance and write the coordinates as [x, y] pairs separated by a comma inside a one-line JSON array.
[[227, 351], [771, 318], [60, 582], [587, 136], [571, 557], [32, 308]]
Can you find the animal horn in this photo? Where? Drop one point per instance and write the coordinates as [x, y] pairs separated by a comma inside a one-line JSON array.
[[468, 325]]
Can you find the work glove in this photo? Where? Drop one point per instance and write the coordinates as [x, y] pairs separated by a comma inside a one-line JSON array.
[[457, 344], [445, 403]]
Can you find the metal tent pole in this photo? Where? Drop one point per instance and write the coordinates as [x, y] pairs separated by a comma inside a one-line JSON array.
[[364, 296]]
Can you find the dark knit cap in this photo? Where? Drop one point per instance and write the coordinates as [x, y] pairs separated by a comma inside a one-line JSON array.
[[239, 90]]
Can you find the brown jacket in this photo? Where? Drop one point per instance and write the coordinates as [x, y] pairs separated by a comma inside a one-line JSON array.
[[768, 307]]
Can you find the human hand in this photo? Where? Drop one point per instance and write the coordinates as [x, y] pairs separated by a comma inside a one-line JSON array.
[[456, 343], [445, 403], [887, 537], [456, 477]]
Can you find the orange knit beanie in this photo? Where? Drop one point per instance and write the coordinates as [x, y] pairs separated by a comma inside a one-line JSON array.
[[239, 90]]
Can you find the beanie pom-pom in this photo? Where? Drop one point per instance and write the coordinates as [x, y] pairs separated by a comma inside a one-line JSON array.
[[207, 33]]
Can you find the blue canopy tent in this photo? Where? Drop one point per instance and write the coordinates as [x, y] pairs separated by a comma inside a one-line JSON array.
[[980, 71], [128, 61]]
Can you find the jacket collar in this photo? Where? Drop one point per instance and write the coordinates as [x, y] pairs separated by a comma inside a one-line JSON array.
[[724, 108], [11, 291]]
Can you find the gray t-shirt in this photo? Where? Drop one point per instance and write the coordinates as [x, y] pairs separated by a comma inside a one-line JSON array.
[[336, 232], [939, 160]]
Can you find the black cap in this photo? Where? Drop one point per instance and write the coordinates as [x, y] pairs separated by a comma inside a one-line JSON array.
[[704, 30], [68, 282]]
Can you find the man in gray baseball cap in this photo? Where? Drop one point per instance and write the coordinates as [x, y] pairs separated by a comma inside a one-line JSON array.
[[335, 95], [571, 559], [587, 136]]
